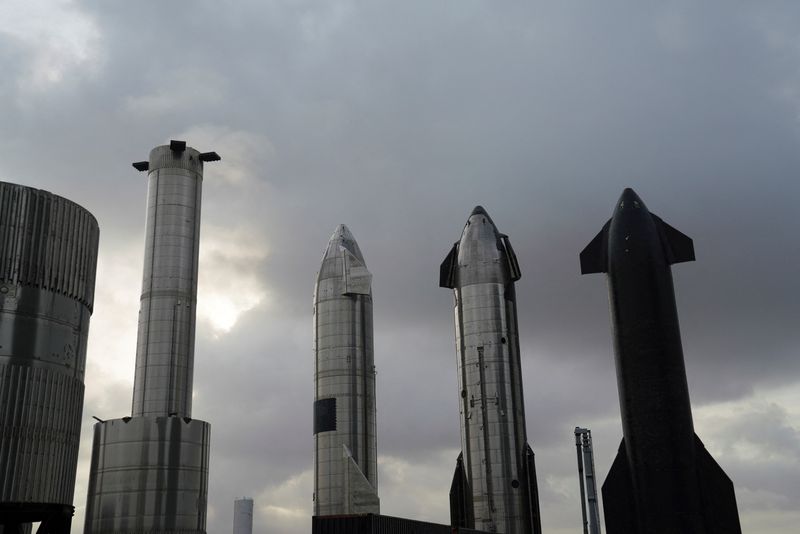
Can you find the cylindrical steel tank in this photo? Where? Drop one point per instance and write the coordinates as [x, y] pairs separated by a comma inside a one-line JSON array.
[[165, 344], [149, 472], [243, 516], [48, 259], [345, 450]]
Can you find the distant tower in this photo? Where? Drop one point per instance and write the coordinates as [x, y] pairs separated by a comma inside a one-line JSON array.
[[149, 472], [48, 258], [494, 486], [345, 450], [243, 516]]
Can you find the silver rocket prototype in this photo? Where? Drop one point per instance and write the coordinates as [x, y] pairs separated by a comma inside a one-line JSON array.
[[345, 450], [149, 472], [494, 487]]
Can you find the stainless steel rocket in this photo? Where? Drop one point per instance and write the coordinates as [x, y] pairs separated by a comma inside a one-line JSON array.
[[663, 480], [345, 450], [494, 487], [149, 472]]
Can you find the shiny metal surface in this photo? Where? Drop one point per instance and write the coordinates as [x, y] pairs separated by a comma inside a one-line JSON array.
[[48, 259], [148, 474], [481, 269], [165, 344], [345, 449]]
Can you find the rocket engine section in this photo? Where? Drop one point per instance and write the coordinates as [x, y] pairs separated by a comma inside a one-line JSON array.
[[48, 259], [345, 449]]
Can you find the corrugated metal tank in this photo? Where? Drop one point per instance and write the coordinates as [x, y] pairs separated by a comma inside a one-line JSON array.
[[48, 260]]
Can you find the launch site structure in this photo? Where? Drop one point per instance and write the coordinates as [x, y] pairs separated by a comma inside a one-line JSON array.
[[48, 260], [590, 508], [345, 446], [494, 486], [149, 472]]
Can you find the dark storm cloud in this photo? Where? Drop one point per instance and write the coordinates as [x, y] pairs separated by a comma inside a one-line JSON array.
[[396, 119]]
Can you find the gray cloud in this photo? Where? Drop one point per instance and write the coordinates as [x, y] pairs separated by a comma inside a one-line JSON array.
[[396, 119]]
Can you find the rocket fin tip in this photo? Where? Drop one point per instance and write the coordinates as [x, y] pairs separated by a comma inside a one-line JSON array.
[[678, 247], [594, 258], [618, 496], [721, 514]]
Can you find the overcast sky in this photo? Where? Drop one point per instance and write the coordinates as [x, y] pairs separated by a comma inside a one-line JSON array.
[[397, 118]]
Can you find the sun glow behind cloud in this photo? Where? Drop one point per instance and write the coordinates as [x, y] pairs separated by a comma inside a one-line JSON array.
[[229, 283]]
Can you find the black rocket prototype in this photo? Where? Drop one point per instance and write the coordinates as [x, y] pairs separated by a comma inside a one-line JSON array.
[[663, 480]]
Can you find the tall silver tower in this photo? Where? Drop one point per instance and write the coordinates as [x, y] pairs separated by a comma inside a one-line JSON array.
[[494, 487], [243, 516], [48, 258], [345, 450], [149, 472]]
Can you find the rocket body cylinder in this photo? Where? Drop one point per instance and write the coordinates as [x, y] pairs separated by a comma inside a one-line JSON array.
[[345, 449], [500, 479], [662, 467], [165, 343]]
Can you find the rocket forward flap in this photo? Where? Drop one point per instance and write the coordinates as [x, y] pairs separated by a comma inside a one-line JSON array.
[[461, 510], [360, 497], [511, 258], [619, 505], [678, 247], [447, 271], [357, 279], [721, 515], [594, 258]]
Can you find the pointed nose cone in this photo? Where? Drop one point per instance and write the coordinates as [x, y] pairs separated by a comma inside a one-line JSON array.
[[479, 215], [480, 250], [478, 211], [343, 240], [629, 200]]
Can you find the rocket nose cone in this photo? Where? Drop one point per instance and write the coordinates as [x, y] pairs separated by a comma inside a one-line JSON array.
[[478, 211], [342, 232], [480, 227], [479, 214], [342, 238], [630, 200]]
